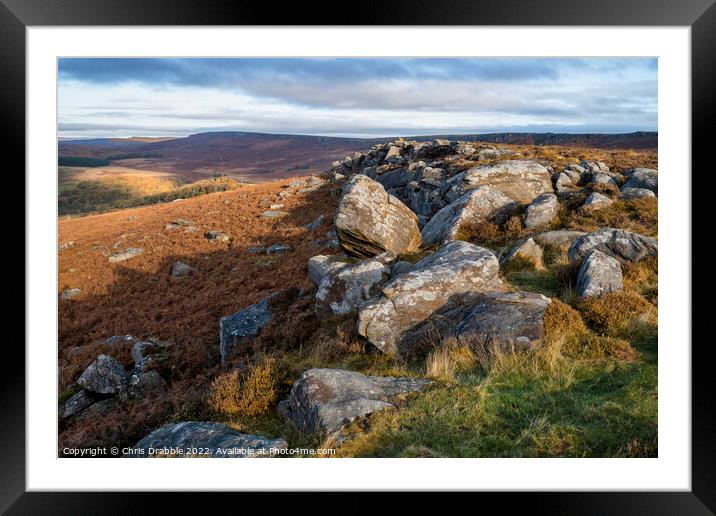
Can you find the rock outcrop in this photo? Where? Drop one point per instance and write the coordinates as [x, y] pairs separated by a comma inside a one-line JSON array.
[[369, 221], [412, 297], [204, 439], [323, 401], [629, 246]]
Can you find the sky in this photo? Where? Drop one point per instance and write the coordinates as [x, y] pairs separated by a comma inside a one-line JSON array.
[[357, 97]]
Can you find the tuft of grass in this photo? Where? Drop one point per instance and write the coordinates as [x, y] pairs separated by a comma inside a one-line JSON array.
[[251, 395], [447, 361]]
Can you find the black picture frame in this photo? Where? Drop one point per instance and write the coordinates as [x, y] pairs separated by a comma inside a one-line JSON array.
[[700, 15]]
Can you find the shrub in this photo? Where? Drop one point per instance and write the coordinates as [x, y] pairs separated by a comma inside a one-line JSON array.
[[250, 395]]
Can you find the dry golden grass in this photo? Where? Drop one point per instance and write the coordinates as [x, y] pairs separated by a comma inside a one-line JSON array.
[[249, 395], [448, 360]]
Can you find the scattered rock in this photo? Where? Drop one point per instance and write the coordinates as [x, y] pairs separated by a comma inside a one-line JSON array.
[[142, 384], [595, 200], [256, 250], [543, 210], [181, 269], [75, 404], [217, 236], [66, 245], [323, 401], [273, 214], [482, 204], [369, 221], [244, 323], [350, 286], [412, 297], [104, 376], [70, 293], [644, 178], [632, 247], [599, 273], [603, 179], [276, 206], [126, 254], [511, 321], [213, 439], [527, 252], [278, 249], [319, 266], [144, 352]]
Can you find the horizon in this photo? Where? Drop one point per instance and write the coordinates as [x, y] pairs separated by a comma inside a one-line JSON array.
[[355, 97]]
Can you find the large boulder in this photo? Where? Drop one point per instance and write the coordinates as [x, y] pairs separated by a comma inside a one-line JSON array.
[[599, 274], [629, 246], [322, 401], [348, 287], [646, 178], [520, 180], [369, 221], [482, 204], [510, 321], [412, 297], [104, 376], [204, 439], [542, 211], [246, 323]]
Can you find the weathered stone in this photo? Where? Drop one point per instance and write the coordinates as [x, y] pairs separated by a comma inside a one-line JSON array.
[[603, 179], [646, 178], [542, 211], [319, 266], [557, 238], [614, 242], [527, 252], [144, 352], [278, 249], [562, 182], [213, 439], [520, 180], [410, 298], [75, 404], [142, 384], [401, 267], [217, 236], [256, 250], [70, 293], [483, 204], [322, 401], [243, 324], [315, 224], [273, 214], [181, 269], [104, 376], [126, 254], [595, 200], [507, 320], [369, 221], [629, 194], [599, 274], [66, 245]]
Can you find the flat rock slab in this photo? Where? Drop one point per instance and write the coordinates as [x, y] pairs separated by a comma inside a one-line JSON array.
[[127, 254], [412, 297], [599, 274], [369, 221], [205, 439], [325, 400], [510, 321], [75, 404], [629, 246]]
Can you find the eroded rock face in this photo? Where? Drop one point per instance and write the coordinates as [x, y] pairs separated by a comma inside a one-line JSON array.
[[322, 401], [213, 439], [614, 242], [646, 178], [344, 290], [542, 211], [508, 320], [483, 204], [410, 298], [369, 221], [319, 266], [244, 323], [104, 376], [599, 274], [520, 180]]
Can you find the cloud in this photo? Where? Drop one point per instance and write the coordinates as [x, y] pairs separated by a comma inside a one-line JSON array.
[[355, 96]]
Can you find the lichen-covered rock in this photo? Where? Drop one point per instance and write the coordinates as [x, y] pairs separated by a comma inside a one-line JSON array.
[[563, 183], [322, 401], [412, 297], [127, 254], [142, 384], [104, 376], [646, 178], [599, 274], [542, 211], [520, 180], [510, 321], [369, 221], [629, 194], [526, 251], [595, 200], [348, 287], [483, 204], [75, 404], [243, 324], [632, 247], [204, 439], [602, 179], [319, 266]]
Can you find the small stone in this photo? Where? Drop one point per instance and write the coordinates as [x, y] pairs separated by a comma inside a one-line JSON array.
[[70, 293], [181, 269], [217, 236], [278, 249], [273, 214], [125, 255]]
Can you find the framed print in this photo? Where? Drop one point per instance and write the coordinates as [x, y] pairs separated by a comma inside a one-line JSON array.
[[423, 246]]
